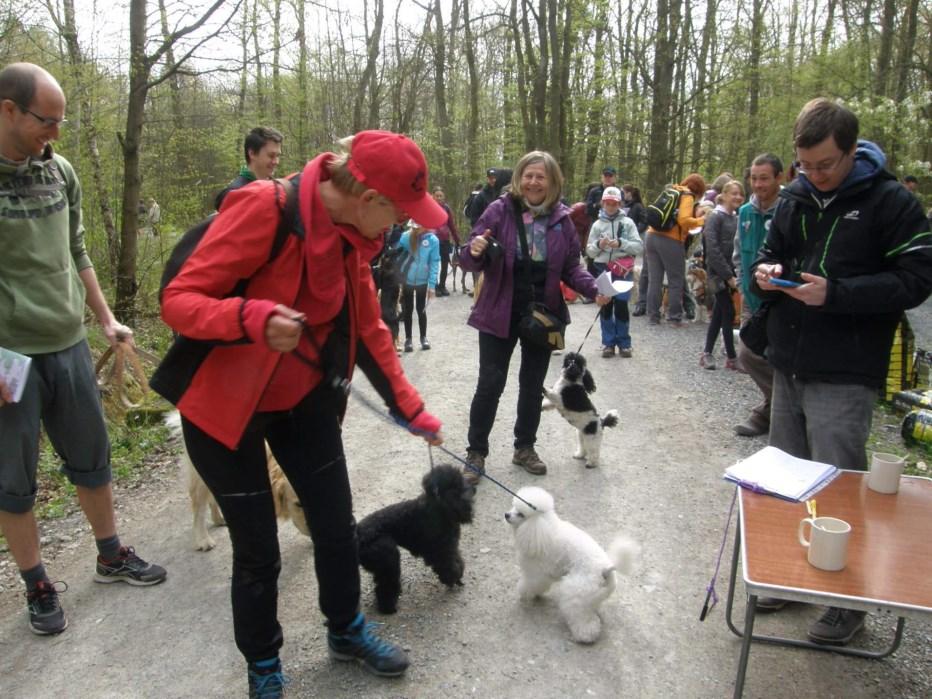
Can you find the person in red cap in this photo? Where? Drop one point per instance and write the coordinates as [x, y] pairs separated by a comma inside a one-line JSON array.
[[290, 344]]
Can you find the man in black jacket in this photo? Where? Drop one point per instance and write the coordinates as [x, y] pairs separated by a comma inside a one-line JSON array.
[[594, 195], [859, 250]]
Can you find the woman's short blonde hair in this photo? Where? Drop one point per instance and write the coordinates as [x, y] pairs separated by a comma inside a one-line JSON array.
[[730, 184], [340, 175], [551, 167]]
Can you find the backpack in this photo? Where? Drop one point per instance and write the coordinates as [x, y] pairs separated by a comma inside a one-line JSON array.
[[662, 214], [185, 356], [190, 239]]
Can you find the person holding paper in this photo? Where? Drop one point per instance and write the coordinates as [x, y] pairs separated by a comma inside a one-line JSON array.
[[46, 269], [513, 281], [613, 244], [860, 248]]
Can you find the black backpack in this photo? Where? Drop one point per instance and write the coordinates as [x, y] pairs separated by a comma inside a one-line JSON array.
[[182, 360], [191, 238], [662, 213]]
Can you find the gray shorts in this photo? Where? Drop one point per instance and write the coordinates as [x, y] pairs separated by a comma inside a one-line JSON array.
[[62, 392]]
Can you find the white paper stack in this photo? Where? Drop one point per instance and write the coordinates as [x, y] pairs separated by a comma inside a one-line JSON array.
[[775, 472]]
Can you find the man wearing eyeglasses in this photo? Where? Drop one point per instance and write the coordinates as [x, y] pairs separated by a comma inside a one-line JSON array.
[[857, 250], [45, 279]]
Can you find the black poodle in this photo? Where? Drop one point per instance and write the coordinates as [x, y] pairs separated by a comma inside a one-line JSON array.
[[427, 526]]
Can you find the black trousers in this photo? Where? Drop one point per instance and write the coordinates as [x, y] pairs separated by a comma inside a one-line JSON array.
[[722, 320], [412, 296], [494, 358], [308, 445], [446, 247]]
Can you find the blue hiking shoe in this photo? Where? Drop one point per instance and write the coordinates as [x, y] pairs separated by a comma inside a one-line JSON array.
[[266, 679], [358, 642]]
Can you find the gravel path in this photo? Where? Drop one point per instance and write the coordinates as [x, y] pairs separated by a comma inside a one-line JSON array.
[[660, 482]]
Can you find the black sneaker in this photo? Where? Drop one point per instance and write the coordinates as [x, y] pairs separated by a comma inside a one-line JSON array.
[[836, 627], [128, 568], [359, 643], [425, 345], [266, 679], [45, 613], [409, 346], [472, 473]]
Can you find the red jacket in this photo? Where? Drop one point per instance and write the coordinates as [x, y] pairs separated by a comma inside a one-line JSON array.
[[228, 386]]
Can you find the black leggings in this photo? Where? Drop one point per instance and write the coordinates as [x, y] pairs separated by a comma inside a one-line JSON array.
[[723, 318], [307, 443], [411, 295]]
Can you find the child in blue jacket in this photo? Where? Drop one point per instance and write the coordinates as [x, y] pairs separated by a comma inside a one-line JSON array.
[[419, 278]]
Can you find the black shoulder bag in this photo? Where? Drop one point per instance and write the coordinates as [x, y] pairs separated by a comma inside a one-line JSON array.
[[538, 326]]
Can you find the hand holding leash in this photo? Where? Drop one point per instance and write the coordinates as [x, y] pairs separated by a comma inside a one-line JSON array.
[[283, 328]]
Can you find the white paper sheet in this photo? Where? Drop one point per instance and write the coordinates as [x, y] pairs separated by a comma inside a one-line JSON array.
[[609, 288]]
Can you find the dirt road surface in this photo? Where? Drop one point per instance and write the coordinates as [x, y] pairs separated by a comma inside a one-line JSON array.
[[660, 482]]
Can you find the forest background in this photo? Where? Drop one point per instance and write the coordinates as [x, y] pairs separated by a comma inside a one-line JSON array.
[[161, 93]]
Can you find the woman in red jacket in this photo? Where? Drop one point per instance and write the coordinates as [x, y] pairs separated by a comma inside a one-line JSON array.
[[291, 343]]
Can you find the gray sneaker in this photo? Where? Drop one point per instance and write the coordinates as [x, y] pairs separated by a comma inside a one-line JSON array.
[[45, 613], [527, 458], [472, 474], [129, 568], [836, 627]]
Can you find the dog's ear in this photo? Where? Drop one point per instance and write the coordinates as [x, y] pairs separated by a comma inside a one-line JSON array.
[[588, 382]]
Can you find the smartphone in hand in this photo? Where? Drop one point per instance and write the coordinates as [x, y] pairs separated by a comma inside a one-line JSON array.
[[786, 283]]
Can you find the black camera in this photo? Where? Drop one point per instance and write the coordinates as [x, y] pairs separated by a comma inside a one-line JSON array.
[[493, 250]]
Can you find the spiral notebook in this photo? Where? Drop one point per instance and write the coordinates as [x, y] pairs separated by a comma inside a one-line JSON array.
[[774, 472]]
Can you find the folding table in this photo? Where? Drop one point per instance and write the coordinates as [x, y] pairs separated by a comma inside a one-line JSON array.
[[889, 569]]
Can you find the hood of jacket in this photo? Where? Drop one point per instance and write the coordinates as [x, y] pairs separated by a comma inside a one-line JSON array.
[[869, 162]]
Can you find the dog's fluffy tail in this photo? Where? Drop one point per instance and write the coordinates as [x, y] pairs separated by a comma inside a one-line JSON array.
[[623, 553], [610, 419], [173, 422]]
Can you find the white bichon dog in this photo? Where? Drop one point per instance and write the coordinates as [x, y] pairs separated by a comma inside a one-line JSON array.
[[553, 552]]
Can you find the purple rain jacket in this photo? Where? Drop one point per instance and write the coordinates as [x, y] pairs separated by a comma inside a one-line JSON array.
[[492, 312]]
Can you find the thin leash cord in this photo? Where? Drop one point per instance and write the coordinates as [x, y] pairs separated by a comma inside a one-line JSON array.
[[404, 424], [710, 590], [591, 325]]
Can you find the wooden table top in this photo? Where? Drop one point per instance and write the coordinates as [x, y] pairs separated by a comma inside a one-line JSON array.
[[889, 552]]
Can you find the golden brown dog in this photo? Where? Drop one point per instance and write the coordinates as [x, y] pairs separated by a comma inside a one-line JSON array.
[[287, 504]]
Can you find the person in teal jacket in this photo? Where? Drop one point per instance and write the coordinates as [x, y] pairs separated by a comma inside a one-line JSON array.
[[753, 224], [420, 272]]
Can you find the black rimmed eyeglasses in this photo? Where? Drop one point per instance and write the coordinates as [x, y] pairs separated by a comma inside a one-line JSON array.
[[47, 122]]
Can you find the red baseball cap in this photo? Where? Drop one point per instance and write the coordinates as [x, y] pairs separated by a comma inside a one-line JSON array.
[[395, 167]]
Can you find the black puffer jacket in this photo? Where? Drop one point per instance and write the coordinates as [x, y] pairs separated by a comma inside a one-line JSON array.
[[871, 241]]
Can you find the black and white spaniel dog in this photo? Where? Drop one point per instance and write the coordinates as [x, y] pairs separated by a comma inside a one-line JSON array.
[[570, 396]]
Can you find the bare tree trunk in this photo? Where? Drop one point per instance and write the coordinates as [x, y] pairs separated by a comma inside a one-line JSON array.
[[365, 82], [662, 84], [905, 55], [276, 67], [520, 67], [597, 103], [261, 98], [302, 141], [174, 84], [757, 28], [472, 124], [885, 56], [244, 73], [69, 32], [708, 32], [440, 95]]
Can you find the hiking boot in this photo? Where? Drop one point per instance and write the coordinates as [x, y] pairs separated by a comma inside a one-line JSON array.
[[424, 343], [770, 604], [751, 428], [129, 568], [836, 627], [266, 679], [608, 352], [45, 613], [706, 361], [527, 458], [358, 642], [625, 352], [473, 475], [639, 311], [409, 346]]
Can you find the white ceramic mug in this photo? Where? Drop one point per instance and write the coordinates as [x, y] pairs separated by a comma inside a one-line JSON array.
[[886, 469], [828, 542]]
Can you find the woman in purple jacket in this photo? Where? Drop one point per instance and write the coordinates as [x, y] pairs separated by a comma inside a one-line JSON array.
[[495, 249]]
